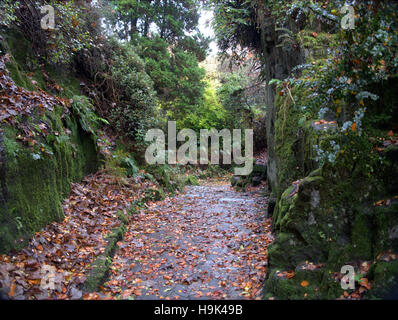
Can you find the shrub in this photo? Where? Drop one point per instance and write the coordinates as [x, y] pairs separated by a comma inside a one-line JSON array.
[[133, 112]]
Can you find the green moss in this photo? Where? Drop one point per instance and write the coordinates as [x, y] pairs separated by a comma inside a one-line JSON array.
[[152, 194], [34, 184], [27, 71], [99, 269], [314, 224], [326, 220], [294, 139], [122, 217], [19, 76], [291, 289], [285, 252], [22, 61], [385, 276], [98, 273], [167, 177], [386, 226], [362, 237], [315, 46]]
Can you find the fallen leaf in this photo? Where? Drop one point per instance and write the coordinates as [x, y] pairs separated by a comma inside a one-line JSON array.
[[304, 283]]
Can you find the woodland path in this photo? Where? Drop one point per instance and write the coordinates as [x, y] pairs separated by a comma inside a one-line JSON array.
[[209, 242]]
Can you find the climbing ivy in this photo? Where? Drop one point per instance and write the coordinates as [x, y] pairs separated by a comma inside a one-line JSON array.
[[349, 82]]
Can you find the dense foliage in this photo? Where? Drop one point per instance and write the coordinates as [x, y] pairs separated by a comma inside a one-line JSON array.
[[171, 19], [76, 26], [351, 84], [178, 79], [134, 111]]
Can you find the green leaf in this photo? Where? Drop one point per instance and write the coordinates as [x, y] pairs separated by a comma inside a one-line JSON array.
[[274, 81]]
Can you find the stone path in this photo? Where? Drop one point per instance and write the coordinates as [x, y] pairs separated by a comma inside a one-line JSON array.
[[208, 243]]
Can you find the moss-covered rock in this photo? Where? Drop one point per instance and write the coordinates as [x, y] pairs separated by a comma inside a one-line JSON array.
[[325, 220], [385, 221], [34, 184], [294, 140], [385, 276], [305, 284], [326, 213], [99, 269], [315, 45], [36, 173], [323, 214]]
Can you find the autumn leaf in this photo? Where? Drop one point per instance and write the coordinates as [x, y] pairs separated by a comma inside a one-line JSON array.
[[304, 283], [11, 293], [290, 274], [354, 127], [365, 283]]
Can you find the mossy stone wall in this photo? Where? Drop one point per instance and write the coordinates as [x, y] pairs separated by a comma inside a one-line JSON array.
[[34, 183], [32, 189], [325, 215]]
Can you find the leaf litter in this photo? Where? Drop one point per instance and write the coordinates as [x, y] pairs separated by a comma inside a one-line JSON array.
[[208, 243]]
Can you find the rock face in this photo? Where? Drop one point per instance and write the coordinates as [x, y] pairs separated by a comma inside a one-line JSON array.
[[278, 65], [37, 165], [32, 189], [325, 221], [324, 217]]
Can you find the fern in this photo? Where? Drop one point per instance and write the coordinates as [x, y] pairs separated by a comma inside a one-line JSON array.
[[88, 119]]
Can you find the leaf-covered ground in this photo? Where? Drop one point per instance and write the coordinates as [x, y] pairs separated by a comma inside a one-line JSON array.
[[72, 245], [208, 243]]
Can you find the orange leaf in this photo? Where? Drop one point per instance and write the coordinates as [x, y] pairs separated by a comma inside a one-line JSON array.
[[12, 290], [304, 283], [354, 127], [365, 283], [34, 282]]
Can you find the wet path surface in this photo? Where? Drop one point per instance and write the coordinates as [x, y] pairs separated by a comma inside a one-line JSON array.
[[208, 243]]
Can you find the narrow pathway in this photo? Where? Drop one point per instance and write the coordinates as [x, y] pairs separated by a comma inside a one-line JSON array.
[[208, 243]]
